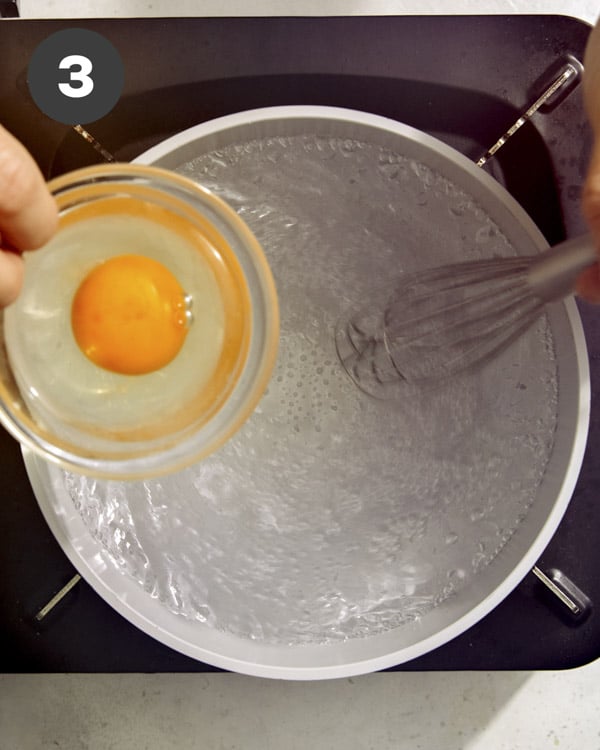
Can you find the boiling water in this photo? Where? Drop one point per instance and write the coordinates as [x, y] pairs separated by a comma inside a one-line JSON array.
[[333, 515]]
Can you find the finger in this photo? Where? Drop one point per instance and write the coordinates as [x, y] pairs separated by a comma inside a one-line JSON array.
[[591, 79], [590, 198], [11, 276], [588, 282], [588, 285], [28, 213]]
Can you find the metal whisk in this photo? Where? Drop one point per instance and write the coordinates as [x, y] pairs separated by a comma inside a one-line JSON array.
[[443, 321]]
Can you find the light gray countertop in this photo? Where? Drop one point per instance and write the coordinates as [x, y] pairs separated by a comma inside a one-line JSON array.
[[586, 10], [468, 710], [403, 711]]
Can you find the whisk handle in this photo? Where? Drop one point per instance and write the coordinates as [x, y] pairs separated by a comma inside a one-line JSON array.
[[552, 275]]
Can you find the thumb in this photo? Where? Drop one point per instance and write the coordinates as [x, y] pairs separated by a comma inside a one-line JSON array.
[[28, 214], [11, 276]]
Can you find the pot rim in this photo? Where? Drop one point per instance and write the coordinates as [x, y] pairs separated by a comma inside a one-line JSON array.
[[357, 656]]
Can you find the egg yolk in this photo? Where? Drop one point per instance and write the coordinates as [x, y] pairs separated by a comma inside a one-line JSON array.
[[129, 315]]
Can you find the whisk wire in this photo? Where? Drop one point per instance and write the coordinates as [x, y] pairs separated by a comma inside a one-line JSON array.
[[418, 316], [446, 320], [449, 354], [463, 274]]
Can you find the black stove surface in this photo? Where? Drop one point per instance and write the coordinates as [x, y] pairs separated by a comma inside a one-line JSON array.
[[465, 80]]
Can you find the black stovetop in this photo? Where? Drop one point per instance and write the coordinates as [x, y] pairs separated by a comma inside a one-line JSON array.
[[463, 79]]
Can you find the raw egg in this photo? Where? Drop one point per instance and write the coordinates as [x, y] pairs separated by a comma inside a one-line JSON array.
[[99, 337]]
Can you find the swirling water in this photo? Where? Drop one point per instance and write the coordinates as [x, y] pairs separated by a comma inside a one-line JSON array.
[[333, 515]]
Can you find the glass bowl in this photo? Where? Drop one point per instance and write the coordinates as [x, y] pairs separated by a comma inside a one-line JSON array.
[[86, 418]]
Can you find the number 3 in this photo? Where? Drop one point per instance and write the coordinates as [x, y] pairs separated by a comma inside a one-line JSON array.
[[81, 76]]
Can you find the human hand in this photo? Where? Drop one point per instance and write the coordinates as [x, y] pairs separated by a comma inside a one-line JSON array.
[[588, 285], [28, 213]]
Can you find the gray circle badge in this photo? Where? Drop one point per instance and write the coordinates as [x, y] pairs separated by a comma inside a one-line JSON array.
[[75, 76]]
